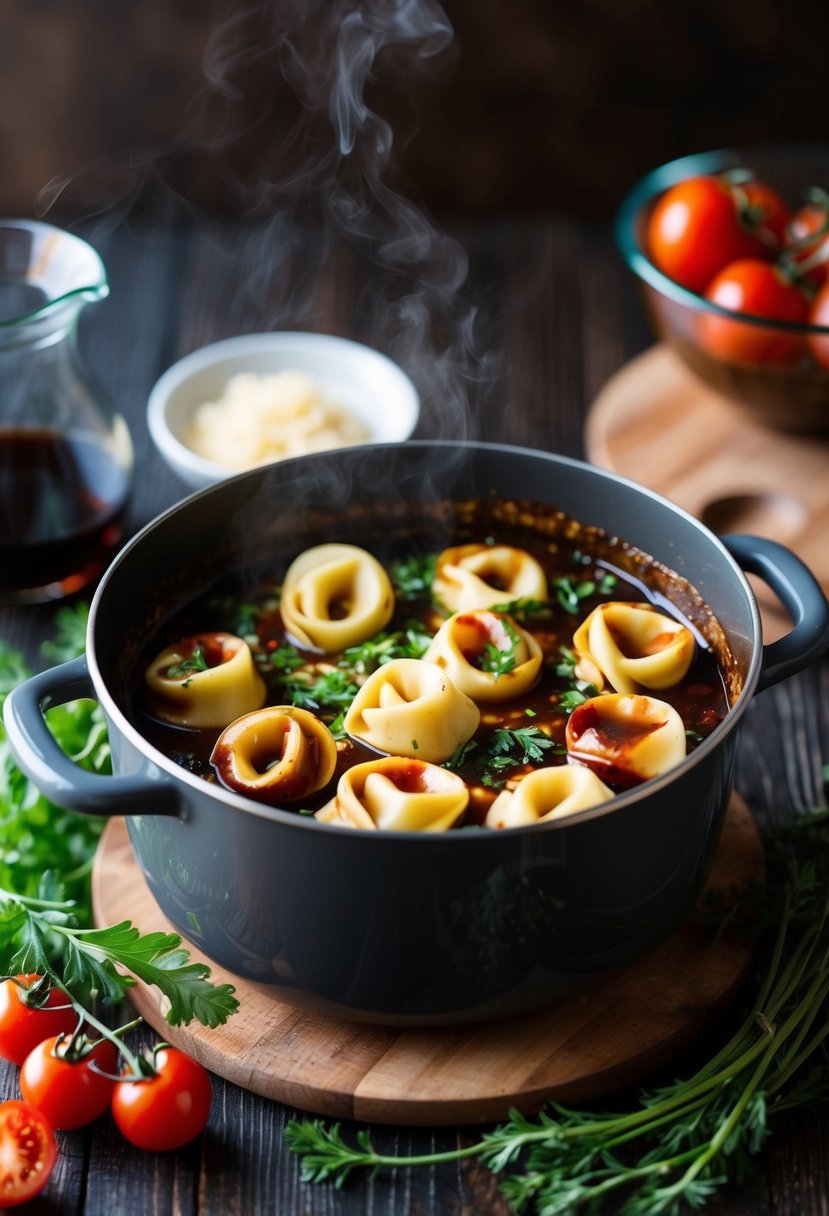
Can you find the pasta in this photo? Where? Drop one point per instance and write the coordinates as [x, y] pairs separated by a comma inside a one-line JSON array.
[[410, 707], [486, 655], [204, 680], [482, 576], [275, 755], [335, 596], [397, 795], [635, 646], [547, 793], [626, 737], [353, 696]]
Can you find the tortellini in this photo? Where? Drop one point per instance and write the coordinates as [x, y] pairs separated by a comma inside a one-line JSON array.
[[547, 793], [409, 707], [335, 596], [486, 655], [626, 737], [204, 681], [397, 795], [482, 576], [635, 646], [275, 755]]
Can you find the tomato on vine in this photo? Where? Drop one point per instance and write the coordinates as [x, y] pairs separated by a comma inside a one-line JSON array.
[[819, 315], [759, 289], [60, 1077], [169, 1106], [27, 1153], [703, 223], [31, 1011], [807, 238]]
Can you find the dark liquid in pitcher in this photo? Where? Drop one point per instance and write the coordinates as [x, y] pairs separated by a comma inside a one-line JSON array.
[[62, 502]]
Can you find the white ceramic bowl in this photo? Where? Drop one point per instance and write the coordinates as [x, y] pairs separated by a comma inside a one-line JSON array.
[[361, 380]]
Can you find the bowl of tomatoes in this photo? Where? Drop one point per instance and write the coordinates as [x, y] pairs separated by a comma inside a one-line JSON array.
[[731, 251]]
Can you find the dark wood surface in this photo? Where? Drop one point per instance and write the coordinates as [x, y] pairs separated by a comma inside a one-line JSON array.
[[552, 315]]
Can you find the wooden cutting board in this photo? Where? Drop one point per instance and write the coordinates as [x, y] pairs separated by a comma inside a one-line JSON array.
[[656, 423], [573, 1051]]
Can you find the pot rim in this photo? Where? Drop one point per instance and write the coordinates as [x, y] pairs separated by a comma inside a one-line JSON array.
[[293, 819]]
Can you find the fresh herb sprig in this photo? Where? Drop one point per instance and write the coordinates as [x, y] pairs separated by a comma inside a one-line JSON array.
[[91, 959], [687, 1139], [571, 592], [410, 642], [325, 690], [506, 749], [500, 660], [46, 856], [413, 576]]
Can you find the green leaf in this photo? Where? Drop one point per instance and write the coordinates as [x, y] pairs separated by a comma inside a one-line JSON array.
[[70, 634]]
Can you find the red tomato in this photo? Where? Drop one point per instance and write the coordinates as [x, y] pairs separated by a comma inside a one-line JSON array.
[[819, 315], [67, 1091], [810, 256], [168, 1109], [695, 230], [23, 1025], [765, 213], [27, 1153], [752, 286]]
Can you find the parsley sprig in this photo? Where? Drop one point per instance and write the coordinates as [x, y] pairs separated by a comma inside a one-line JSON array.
[[46, 856], [413, 576], [410, 642], [570, 592], [506, 749], [499, 660]]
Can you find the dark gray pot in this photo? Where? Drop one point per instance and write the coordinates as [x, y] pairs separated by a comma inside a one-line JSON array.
[[410, 928]]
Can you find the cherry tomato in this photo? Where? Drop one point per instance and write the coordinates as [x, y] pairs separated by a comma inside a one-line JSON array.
[[24, 1024], [764, 213], [67, 1091], [695, 230], [810, 256], [819, 315], [168, 1109], [27, 1153], [752, 286]]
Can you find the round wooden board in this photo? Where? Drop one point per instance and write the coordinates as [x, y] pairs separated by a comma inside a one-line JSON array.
[[590, 1044], [656, 423]]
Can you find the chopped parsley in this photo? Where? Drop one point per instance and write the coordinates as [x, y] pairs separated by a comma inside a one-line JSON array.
[[412, 576], [411, 642], [196, 662], [498, 660]]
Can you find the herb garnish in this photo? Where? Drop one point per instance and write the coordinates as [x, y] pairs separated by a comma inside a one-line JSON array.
[[410, 642], [526, 610], [196, 662], [505, 749], [46, 858], [498, 660], [570, 594], [413, 576], [691, 1137], [311, 687]]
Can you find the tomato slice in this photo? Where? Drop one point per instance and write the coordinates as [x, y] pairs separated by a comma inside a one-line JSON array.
[[27, 1153]]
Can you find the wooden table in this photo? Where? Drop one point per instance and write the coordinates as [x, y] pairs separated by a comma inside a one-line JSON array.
[[555, 305]]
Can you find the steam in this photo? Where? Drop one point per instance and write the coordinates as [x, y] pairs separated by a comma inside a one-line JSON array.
[[295, 81]]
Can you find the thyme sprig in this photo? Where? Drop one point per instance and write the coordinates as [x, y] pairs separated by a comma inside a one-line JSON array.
[[684, 1140]]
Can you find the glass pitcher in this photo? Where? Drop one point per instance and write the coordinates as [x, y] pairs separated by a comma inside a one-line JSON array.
[[65, 456]]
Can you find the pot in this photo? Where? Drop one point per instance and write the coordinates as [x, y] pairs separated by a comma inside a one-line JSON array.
[[409, 928]]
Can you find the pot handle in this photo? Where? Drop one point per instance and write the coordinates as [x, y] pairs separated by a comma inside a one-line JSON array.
[[61, 780], [800, 594]]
